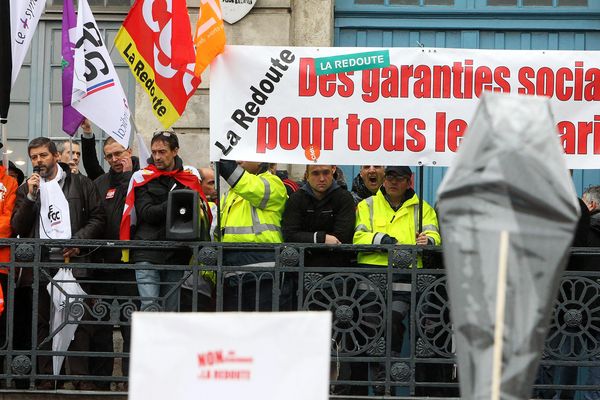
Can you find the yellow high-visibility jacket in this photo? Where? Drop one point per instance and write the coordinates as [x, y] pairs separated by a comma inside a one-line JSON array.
[[376, 218], [252, 209]]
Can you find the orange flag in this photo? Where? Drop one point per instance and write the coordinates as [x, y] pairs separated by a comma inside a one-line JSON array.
[[210, 34]]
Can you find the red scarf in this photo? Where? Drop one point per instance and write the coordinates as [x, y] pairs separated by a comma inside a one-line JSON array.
[[184, 176]]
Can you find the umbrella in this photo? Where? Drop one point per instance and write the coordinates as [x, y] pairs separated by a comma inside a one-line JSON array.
[[62, 291]]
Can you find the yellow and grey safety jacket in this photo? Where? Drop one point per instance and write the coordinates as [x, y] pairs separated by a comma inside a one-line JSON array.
[[252, 209], [375, 218]]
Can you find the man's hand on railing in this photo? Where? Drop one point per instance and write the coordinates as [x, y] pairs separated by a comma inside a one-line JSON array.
[[330, 239], [387, 239], [422, 239], [70, 252]]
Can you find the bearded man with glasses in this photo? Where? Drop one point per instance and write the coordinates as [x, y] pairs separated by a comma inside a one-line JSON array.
[[112, 187]]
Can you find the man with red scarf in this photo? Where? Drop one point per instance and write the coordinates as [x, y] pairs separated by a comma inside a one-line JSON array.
[[149, 192]]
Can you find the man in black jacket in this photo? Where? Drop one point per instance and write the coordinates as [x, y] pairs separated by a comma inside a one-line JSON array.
[[112, 187], [70, 153], [89, 158], [151, 209], [367, 182], [320, 212], [87, 220], [591, 198]]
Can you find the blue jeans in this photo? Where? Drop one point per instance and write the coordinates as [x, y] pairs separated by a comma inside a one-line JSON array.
[[566, 375], [593, 378], [155, 284]]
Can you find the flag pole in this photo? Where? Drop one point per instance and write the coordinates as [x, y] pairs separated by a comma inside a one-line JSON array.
[[421, 171], [4, 143], [143, 152], [70, 148], [135, 127], [218, 199], [500, 311]]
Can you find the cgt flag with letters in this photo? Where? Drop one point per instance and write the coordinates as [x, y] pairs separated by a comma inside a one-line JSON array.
[[97, 91], [18, 21], [156, 42]]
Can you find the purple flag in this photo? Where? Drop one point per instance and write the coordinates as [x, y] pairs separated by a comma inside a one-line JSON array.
[[71, 118]]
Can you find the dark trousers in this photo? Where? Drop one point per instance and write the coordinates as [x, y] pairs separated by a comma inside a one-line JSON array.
[[103, 340], [22, 325], [204, 303], [247, 293], [3, 282], [253, 291]]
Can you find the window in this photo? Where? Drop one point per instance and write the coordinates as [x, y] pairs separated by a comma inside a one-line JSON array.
[[407, 2], [489, 3], [538, 3], [94, 3]]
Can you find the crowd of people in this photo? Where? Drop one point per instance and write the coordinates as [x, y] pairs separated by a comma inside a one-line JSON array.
[[262, 206]]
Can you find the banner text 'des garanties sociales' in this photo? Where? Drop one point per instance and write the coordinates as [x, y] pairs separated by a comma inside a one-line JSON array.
[[272, 104]]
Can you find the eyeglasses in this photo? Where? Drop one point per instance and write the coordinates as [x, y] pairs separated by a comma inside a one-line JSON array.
[[115, 155], [164, 133], [391, 178]]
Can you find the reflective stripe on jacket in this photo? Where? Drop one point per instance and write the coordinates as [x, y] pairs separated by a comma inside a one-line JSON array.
[[376, 218], [252, 210]]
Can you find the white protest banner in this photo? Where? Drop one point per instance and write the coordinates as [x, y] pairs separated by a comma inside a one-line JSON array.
[[230, 356], [24, 18], [388, 106]]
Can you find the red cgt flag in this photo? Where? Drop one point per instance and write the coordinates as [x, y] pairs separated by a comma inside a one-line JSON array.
[[156, 42]]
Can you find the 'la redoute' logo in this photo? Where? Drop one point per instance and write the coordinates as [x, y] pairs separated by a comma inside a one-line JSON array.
[[221, 365]]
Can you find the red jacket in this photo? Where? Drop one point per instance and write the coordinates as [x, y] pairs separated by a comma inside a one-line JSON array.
[[8, 194]]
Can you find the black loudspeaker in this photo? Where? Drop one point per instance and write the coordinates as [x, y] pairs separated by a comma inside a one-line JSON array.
[[182, 215]]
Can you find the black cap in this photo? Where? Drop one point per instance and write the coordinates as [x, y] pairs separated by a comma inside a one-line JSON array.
[[13, 167], [398, 170]]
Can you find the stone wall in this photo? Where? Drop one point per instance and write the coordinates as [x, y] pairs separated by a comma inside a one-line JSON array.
[[269, 23]]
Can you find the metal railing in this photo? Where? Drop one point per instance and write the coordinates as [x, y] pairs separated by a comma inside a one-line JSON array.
[[392, 332]]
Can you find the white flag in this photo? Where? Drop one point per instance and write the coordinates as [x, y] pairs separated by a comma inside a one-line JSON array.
[[24, 17], [97, 91]]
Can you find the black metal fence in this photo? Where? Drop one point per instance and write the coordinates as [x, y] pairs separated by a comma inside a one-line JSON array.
[[392, 330]]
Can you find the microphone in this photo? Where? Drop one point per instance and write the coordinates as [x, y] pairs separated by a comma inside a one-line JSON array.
[[36, 170]]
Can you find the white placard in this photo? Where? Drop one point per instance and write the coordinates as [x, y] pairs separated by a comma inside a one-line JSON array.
[[397, 106], [230, 356]]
